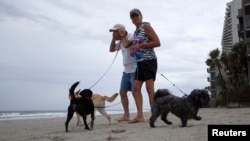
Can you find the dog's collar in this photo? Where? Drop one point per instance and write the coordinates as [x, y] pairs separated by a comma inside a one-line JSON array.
[[88, 97]]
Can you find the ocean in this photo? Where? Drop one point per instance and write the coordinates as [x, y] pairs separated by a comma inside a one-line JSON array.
[[21, 115], [16, 115]]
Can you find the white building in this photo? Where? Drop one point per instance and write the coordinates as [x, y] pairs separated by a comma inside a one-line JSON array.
[[230, 34]]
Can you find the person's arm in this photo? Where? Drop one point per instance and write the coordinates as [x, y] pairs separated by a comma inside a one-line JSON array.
[[154, 40], [112, 47]]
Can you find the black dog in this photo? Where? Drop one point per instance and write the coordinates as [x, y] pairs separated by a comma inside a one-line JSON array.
[[184, 108], [83, 106]]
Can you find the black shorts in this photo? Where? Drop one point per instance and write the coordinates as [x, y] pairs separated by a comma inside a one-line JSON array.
[[146, 70]]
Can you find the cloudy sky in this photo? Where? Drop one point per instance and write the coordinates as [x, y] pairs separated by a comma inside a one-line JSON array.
[[46, 45]]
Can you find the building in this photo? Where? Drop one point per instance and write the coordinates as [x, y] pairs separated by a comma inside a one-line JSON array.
[[236, 29], [230, 35], [246, 30], [214, 90]]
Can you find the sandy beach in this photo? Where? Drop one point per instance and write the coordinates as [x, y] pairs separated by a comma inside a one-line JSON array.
[[53, 129]]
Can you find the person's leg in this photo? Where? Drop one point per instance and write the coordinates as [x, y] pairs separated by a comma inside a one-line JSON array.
[[150, 91], [138, 101], [124, 98], [125, 105], [150, 75]]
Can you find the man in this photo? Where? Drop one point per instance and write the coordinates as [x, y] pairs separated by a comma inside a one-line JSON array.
[[119, 32]]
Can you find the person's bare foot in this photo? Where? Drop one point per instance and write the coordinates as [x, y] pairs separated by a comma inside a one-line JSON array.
[[136, 120], [120, 119]]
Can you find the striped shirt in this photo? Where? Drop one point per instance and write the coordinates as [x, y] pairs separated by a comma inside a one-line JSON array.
[[140, 36]]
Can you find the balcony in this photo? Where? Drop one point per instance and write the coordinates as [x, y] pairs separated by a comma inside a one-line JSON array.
[[212, 78], [211, 88], [240, 13], [246, 2], [210, 70], [209, 79]]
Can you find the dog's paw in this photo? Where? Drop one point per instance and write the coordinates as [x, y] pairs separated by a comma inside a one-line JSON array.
[[183, 125], [197, 118], [87, 128], [152, 124], [92, 125]]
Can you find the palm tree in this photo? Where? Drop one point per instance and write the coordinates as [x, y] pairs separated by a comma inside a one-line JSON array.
[[238, 58], [214, 61], [234, 67]]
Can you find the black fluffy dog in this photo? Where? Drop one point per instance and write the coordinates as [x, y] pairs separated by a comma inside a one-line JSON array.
[[184, 108], [83, 106]]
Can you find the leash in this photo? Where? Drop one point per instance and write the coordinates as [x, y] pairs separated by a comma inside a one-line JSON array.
[[108, 67], [105, 74], [107, 106], [184, 94], [138, 56]]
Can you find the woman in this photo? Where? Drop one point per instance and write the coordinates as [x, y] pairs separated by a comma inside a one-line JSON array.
[[144, 42]]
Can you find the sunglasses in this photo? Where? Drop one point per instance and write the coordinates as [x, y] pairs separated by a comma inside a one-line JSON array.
[[134, 15]]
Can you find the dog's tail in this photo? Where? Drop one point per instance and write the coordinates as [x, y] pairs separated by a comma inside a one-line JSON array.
[[76, 94], [72, 90], [160, 93], [110, 99]]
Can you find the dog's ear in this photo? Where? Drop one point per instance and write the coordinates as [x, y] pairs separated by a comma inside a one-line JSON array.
[[86, 93], [205, 96], [195, 95], [201, 97]]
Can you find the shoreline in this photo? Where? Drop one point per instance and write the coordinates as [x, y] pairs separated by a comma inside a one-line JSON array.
[[36, 114], [52, 129]]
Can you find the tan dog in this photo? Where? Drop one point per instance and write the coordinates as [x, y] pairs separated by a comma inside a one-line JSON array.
[[99, 103]]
